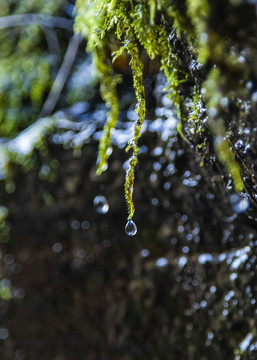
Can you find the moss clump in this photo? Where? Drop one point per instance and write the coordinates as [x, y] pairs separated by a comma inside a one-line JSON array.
[[180, 33], [27, 66]]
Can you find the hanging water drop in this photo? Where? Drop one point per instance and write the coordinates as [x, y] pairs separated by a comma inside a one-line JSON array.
[[101, 204], [131, 228]]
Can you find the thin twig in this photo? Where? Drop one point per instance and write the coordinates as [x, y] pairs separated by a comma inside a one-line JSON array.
[[52, 40], [61, 76], [39, 19]]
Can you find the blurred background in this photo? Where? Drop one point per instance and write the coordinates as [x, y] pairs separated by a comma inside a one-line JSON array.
[[73, 285]]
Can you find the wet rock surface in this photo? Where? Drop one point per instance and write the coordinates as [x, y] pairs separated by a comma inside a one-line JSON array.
[[184, 286]]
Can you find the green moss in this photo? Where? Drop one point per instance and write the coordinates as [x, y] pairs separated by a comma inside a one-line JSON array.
[[5, 294], [137, 70], [26, 67], [226, 157], [109, 95], [115, 27]]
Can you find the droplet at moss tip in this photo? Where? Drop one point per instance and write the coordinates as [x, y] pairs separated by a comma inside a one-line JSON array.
[[131, 228]]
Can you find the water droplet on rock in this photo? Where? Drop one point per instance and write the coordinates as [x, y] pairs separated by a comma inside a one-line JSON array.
[[101, 204], [161, 262], [4, 333], [57, 247], [131, 228], [239, 203]]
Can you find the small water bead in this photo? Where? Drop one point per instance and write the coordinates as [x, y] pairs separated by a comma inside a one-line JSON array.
[[233, 276], [213, 289], [75, 224], [166, 186], [57, 247], [9, 259], [4, 333], [85, 225], [157, 166], [182, 261], [155, 201], [157, 151], [101, 204], [153, 177], [15, 268], [109, 151], [131, 228], [18, 293], [107, 243], [185, 249], [104, 167], [161, 262], [145, 252], [239, 203], [246, 342], [203, 304]]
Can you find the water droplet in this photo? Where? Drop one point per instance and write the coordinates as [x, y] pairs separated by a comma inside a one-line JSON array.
[[203, 303], [204, 258], [210, 335], [131, 228], [166, 186], [182, 261], [233, 276], [153, 177], [104, 167], [106, 243], [75, 224], [239, 203], [157, 151], [101, 204], [85, 225], [185, 249], [57, 247], [157, 166], [161, 262], [4, 333], [8, 259], [155, 201], [109, 151], [19, 293], [246, 342], [145, 252]]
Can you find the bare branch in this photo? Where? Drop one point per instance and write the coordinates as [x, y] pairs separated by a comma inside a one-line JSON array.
[[43, 20], [52, 40], [61, 76]]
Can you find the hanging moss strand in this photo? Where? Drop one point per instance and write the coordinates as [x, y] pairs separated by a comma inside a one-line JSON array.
[[109, 95], [152, 25], [131, 47]]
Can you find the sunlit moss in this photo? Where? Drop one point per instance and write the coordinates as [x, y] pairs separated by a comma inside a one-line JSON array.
[[5, 294], [26, 65], [130, 25], [109, 94], [226, 156]]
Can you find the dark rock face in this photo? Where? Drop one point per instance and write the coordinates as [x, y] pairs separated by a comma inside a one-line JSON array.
[[183, 287]]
